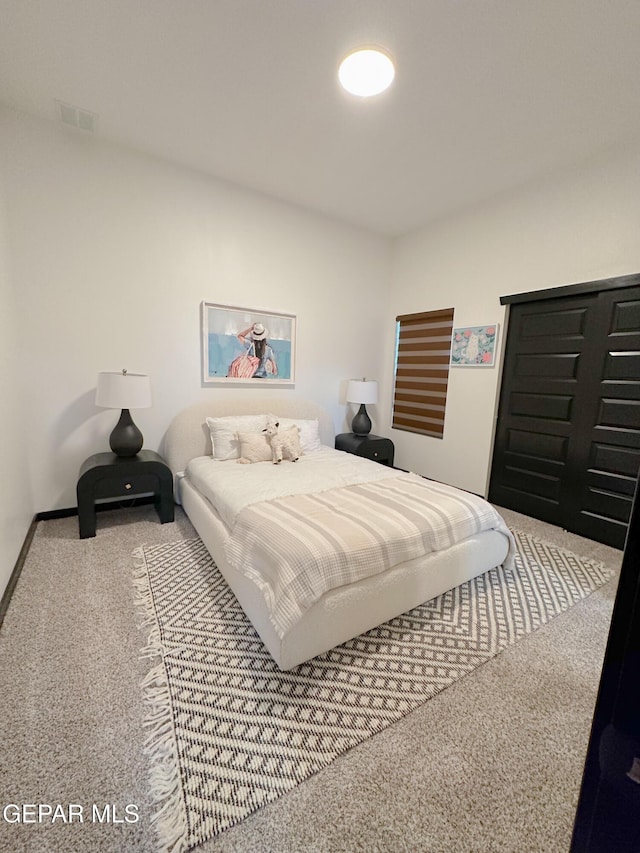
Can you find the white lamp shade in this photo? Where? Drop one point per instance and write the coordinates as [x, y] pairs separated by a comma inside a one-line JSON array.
[[362, 391], [123, 390]]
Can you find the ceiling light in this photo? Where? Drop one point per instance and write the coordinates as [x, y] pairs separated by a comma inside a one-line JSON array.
[[366, 72]]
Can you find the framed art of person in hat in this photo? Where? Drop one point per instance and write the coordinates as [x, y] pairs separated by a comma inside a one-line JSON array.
[[241, 346]]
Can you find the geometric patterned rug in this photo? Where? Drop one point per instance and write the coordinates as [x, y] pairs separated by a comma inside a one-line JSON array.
[[228, 732]]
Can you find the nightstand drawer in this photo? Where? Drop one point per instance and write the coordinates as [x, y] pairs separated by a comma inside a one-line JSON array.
[[123, 486], [379, 450], [370, 446]]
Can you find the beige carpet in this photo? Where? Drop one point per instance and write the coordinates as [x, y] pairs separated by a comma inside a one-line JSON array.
[[493, 763]]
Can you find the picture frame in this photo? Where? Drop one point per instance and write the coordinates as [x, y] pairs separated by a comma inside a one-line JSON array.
[[474, 346], [246, 346]]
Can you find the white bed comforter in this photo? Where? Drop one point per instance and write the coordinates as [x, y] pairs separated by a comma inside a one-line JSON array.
[[331, 519], [231, 486]]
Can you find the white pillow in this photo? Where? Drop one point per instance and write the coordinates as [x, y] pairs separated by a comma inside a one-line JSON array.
[[254, 447], [224, 443], [309, 432]]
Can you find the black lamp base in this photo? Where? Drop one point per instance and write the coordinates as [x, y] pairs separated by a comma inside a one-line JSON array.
[[361, 424], [126, 439]]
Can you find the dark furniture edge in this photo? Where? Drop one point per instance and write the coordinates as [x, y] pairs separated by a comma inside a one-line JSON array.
[[17, 569], [573, 289], [116, 503]]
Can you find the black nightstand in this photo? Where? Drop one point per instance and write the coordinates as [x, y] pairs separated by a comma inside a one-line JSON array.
[[105, 475], [370, 446]]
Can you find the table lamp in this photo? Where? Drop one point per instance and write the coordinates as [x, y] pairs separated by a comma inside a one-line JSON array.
[[362, 391], [124, 391]]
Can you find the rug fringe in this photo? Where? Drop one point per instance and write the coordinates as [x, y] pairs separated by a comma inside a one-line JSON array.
[[170, 820]]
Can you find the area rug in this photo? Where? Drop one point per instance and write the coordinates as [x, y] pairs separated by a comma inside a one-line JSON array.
[[228, 732]]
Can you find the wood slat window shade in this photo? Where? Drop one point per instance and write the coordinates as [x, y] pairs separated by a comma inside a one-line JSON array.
[[422, 371]]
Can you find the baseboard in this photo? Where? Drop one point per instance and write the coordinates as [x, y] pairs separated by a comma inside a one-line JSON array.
[[57, 513], [17, 569], [66, 512]]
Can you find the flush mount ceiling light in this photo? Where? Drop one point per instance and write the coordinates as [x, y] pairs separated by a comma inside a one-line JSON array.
[[366, 72]]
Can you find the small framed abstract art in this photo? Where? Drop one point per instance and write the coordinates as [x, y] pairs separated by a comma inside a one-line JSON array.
[[474, 346], [245, 346]]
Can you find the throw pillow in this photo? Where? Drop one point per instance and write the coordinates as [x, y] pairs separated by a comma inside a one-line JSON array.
[[223, 430], [254, 447]]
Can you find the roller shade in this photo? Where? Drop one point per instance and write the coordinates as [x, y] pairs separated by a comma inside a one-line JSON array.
[[422, 371]]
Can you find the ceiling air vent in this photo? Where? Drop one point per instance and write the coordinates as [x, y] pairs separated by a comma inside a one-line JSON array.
[[77, 117]]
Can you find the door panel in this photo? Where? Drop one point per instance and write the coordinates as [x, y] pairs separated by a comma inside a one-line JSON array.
[[622, 365], [539, 387], [604, 494], [547, 448], [548, 406], [558, 322], [617, 460], [567, 444], [554, 366]]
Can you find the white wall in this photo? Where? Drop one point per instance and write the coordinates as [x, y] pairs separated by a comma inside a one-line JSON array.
[[112, 253], [16, 505], [106, 254], [578, 227]]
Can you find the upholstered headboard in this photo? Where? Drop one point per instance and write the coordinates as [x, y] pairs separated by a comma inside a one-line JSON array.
[[188, 434]]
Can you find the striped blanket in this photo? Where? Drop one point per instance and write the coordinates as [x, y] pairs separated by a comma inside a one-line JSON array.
[[298, 547]]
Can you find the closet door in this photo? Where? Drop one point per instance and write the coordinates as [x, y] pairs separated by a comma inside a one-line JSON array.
[[567, 446], [605, 450]]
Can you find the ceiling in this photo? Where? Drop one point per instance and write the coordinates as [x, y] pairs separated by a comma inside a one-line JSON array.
[[488, 94]]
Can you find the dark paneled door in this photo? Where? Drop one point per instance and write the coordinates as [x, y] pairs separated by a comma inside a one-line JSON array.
[[567, 445]]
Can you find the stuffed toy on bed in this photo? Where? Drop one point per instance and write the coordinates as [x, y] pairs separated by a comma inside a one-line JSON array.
[[284, 445]]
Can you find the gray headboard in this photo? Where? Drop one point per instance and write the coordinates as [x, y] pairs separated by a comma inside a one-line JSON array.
[[188, 434]]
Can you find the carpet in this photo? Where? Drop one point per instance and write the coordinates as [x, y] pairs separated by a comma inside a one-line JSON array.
[[228, 732]]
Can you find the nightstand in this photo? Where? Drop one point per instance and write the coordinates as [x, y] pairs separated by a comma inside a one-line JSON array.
[[370, 446], [107, 476]]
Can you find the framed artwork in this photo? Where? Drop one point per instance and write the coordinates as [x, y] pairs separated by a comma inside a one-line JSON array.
[[246, 346], [474, 346]]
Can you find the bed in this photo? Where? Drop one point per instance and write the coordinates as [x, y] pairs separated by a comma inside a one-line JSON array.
[[263, 523]]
